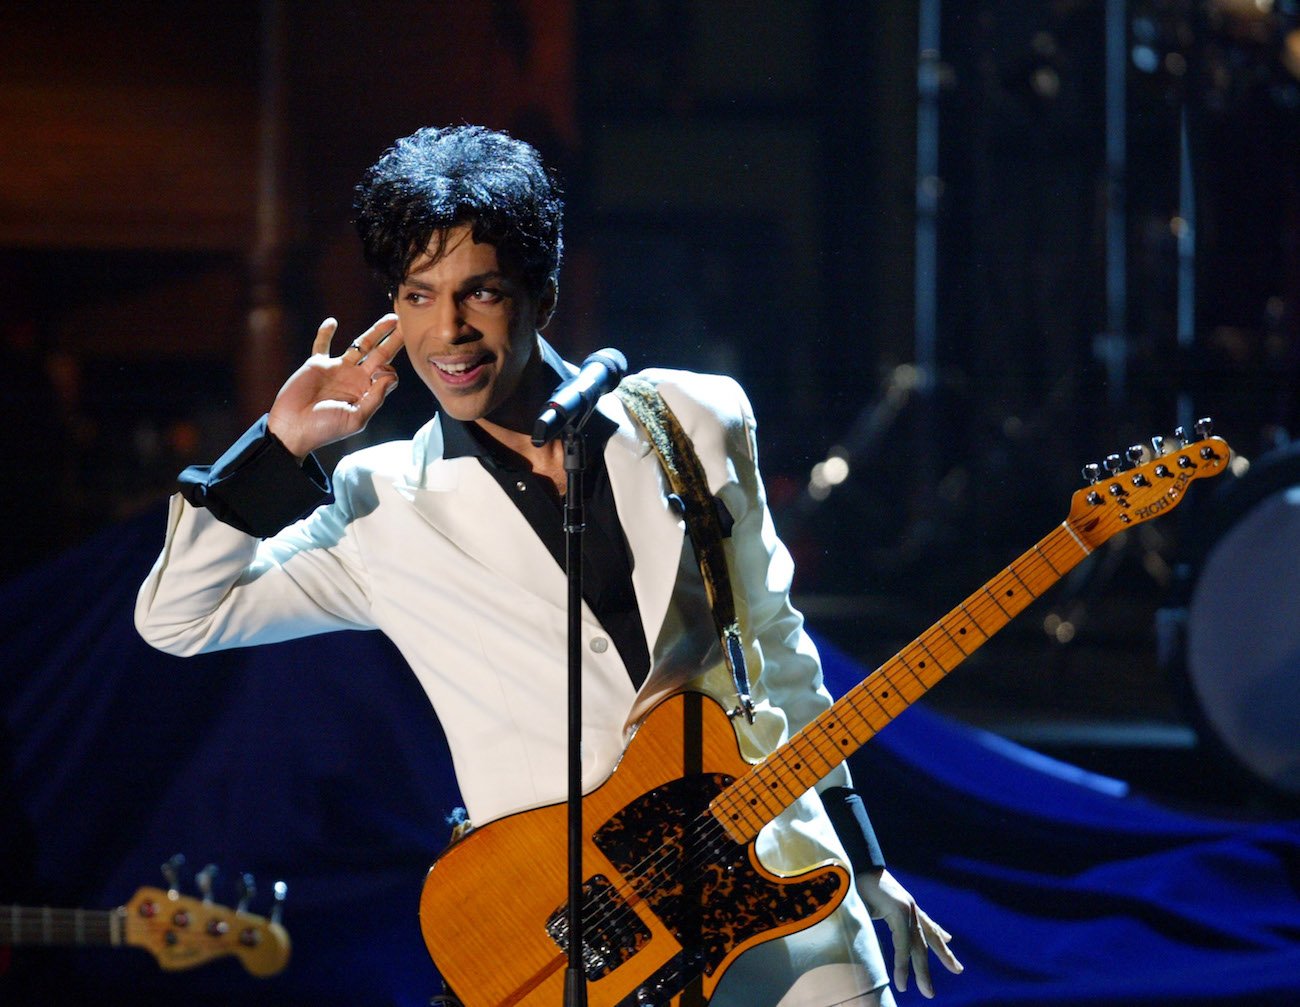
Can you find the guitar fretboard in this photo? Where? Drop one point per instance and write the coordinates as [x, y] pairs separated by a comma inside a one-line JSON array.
[[778, 780], [27, 925]]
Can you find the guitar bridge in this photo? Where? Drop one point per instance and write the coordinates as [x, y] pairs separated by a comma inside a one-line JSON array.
[[611, 932]]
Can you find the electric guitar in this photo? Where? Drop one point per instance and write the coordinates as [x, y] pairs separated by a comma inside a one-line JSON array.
[[674, 891], [180, 932]]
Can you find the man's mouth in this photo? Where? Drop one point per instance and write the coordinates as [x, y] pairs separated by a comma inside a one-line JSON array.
[[461, 371]]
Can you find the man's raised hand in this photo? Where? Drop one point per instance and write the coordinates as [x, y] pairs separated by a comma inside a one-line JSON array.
[[329, 398]]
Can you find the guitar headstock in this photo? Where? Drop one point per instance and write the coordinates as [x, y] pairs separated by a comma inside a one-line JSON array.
[[1153, 482], [183, 932]]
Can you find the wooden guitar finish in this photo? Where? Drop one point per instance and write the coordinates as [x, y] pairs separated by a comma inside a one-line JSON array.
[[674, 892]]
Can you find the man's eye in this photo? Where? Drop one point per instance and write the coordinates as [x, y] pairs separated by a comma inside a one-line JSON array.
[[486, 295], [414, 297]]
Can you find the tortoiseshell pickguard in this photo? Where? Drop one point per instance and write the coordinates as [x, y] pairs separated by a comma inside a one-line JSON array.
[[696, 879]]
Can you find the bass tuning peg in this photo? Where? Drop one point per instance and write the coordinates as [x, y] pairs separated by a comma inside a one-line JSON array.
[[246, 887], [279, 891], [204, 879], [171, 872]]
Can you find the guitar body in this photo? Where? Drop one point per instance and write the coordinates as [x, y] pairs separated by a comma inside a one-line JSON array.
[[670, 899]]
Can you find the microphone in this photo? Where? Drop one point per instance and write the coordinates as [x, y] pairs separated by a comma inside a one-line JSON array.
[[572, 403]]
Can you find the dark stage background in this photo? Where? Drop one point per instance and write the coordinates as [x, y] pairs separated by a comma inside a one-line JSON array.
[[956, 249]]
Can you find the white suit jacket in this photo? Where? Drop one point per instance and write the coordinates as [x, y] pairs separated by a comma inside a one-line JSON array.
[[432, 552]]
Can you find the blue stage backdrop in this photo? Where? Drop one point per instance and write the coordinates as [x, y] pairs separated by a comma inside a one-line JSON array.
[[320, 763]]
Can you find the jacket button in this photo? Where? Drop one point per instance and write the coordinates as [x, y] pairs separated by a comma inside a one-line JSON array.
[[599, 644]]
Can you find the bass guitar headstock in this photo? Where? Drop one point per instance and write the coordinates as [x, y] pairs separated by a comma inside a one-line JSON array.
[[183, 932]]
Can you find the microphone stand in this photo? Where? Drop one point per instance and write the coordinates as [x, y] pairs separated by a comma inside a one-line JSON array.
[[575, 465], [572, 405]]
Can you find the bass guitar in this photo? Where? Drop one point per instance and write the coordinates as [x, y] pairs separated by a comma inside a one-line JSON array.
[[674, 891], [179, 931]]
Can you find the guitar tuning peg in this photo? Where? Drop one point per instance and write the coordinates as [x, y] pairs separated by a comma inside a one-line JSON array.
[[1157, 446], [1180, 434], [1113, 464], [1092, 472], [204, 879], [1203, 427], [246, 886], [278, 891], [1136, 454], [171, 872]]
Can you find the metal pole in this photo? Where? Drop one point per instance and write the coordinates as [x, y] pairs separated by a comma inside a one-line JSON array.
[[1186, 268], [929, 189], [1112, 345], [263, 363]]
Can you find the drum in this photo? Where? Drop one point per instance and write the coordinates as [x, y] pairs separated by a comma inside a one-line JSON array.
[[1241, 650]]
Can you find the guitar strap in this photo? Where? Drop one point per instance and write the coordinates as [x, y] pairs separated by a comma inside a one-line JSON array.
[[690, 494]]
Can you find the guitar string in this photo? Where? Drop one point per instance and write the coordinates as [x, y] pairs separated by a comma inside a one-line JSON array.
[[54, 925], [1063, 546], [20, 921], [659, 859], [658, 862], [886, 675], [975, 610]]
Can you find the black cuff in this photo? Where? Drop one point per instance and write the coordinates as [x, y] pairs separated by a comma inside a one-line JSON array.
[[257, 486], [848, 814]]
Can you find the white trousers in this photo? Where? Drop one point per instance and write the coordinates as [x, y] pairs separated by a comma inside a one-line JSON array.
[[834, 986]]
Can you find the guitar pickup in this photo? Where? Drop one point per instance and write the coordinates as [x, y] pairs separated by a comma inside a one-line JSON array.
[[611, 932]]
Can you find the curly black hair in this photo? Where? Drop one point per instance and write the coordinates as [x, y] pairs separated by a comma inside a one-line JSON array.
[[439, 178]]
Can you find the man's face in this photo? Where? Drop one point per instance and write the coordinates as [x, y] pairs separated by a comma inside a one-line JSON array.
[[468, 328]]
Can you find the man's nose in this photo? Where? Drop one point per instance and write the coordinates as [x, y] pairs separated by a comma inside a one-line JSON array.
[[449, 321]]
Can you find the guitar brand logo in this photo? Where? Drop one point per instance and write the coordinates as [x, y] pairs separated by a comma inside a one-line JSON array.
[[1166, 501]]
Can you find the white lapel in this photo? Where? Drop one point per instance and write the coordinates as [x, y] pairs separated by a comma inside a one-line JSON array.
[[462, 501], [465, 504], [654, 533]]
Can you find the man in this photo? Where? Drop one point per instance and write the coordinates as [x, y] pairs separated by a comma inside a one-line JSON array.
[[451, 543]]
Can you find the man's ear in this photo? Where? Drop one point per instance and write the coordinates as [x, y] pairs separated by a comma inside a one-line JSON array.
[[546, 304]]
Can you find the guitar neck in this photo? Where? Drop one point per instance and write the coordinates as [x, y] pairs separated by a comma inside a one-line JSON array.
[[778, 780], [23, 925]]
